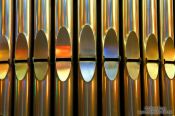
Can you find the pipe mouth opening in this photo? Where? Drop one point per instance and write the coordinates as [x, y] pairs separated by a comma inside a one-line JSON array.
[[111, 46], [169, 55], [152, 48], [87, 42], [4, 49], [4, 68], [4, 56], [21, 51], [87, 69], [133, 69], [132, 46], [170, 70], [169, 51], [41, 52], [21, 70], [63, 44], [63, 70], [41, 69], [153, 70], [111, 69], [41, 46]]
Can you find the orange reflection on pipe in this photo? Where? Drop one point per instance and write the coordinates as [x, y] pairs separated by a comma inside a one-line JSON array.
[[63, 51]]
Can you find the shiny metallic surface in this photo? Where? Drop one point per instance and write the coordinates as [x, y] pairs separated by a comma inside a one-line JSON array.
[[22, 52], [42, 23], [110, 42], [87, 75], [168, 54], [132, 91], [150, 52], [42, 97], [63, 46], [6, 35]]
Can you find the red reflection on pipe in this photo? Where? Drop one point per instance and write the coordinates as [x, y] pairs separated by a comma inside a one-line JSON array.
[[63, 51]]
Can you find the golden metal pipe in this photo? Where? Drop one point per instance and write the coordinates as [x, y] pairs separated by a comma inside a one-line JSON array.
[[64, 77], [87, 80], [6, 36], [167, 54], [110, 78], [42, 51], [22, 52], [150, 50], [132, 88]]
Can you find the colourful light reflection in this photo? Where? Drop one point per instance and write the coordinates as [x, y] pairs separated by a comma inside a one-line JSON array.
[[63, 51]]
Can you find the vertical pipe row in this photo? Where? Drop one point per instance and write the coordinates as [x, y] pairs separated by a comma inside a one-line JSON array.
[[22, 53], [63, 44], [6, 38], [87, 75], [151, 53], [132, 88], [167, 54], [42, 57], [110, 73]]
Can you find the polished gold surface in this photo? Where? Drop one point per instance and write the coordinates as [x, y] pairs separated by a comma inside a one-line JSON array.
[[87, 76], [87, 96], [42, 45], [42, 97], [110, 72], [167, 54], [132, 91], [22, 52], [63, 49], [6, 36], [150, 52], [42, 22]]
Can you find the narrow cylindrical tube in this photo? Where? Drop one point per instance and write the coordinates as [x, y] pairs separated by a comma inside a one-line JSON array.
[[87, 79], [42, 22], [110, 73], [22, 52], [132, 88], [151, 53], [63, 46], [6, 38], [167, 54]]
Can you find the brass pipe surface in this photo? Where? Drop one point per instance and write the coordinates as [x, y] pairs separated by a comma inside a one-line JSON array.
[[87, 77], [110, 42], [42, 22], [64, 74], [167, 54], [22, 52], [132, 88], [151, 52], [6, 38]]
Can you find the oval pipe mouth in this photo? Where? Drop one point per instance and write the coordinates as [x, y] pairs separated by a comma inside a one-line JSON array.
[[152, 48], [63, 70], [132, 46], [63, 44], [63, 50], [41, 52], [111, 46], [87, 43], [133, 69], [21, 53], [152, 54], [111, 50], [4, 56], [87, 47], [87, 69], [169, 55]]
